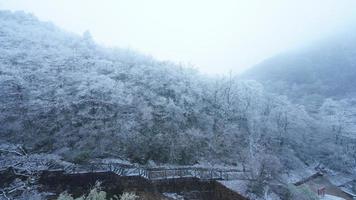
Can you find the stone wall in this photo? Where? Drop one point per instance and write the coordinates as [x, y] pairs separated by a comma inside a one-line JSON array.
[[80, 183]]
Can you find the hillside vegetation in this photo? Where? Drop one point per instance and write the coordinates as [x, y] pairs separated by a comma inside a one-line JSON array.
[[62, 93]]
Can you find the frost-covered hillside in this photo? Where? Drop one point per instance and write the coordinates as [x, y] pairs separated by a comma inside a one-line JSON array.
[[63, 94]]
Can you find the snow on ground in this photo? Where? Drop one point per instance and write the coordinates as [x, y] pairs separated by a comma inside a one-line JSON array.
[[115, 161], [204, 165], [239, 186], [294, 176], [273, 196], [339, 178], [330, 197], [173, 196]]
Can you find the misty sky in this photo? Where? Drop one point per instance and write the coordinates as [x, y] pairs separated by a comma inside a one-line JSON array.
[[213, 36]]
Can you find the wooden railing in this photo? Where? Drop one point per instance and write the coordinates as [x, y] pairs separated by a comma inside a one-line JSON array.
[[162, 172]]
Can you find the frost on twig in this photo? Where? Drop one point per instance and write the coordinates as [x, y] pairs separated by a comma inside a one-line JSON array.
[[22, 169], [12, 149], [16, 158]]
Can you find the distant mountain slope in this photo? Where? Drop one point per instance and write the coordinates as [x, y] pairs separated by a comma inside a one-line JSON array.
[[324, 69]]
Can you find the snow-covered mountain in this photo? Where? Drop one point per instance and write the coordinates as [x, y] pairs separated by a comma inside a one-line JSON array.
[[325, 69], [64, 95]]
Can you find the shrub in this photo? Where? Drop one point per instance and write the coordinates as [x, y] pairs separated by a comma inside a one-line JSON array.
[[82, 157], [94, 194], [97, 194], [128, 196]]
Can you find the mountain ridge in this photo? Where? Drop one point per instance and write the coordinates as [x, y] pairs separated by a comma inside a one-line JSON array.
[[326, 68]]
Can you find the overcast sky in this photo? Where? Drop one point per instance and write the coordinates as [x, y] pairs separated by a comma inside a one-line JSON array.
[[215, 36]]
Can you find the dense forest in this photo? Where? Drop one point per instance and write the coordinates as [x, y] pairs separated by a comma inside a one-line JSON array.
[[63, 94]]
